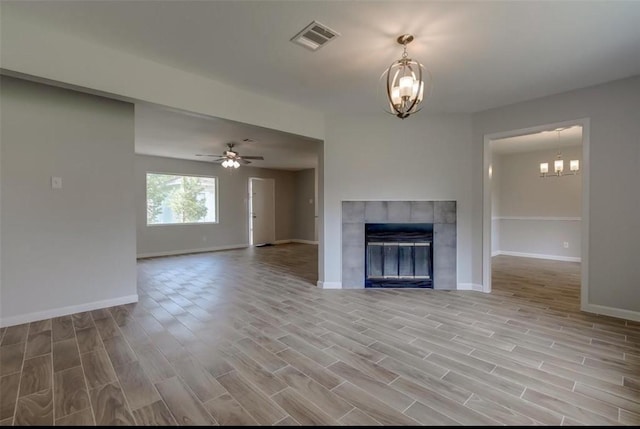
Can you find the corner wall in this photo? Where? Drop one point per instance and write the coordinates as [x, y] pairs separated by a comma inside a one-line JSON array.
[[66, 59], [232, 229], [70, 249], [614, 174], [305, 205], [533, 216]]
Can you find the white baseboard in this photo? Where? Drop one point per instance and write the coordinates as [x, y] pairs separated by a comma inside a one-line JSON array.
[[187, 251], [214, 249], [544, 218], [64, 311], [470, 286], [330, 285], [538, 256], [612, 311], [295, 240]]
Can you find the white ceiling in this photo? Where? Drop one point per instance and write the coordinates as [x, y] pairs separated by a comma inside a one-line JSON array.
[[176, 134], [538, 141], [482, 54]]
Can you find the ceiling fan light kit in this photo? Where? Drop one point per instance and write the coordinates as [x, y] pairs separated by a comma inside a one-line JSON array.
[[228, 163], [231, 158], [405, 83]]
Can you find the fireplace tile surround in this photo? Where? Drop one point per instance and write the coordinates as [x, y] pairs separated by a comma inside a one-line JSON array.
[[443, 214]]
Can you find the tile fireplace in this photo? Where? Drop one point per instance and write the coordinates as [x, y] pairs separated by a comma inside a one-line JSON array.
[[399, 244]]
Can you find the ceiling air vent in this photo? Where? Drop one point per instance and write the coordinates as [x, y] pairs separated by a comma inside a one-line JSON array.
[[314, 36]]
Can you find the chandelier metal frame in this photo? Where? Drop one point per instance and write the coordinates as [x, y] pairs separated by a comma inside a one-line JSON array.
[[405, 84], [558, 164]]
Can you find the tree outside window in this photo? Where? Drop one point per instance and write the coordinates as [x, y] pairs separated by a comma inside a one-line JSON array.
[[173, 199]]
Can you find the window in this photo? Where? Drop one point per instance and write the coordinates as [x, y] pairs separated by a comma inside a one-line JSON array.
[[175, 199]]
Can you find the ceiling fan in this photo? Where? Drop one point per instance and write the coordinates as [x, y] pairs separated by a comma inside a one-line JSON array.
[[231, 158]]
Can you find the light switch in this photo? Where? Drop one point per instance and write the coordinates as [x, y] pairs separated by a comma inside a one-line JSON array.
[[56, 182]]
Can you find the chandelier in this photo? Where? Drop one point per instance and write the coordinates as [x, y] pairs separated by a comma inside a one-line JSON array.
[[558, 164], [405, 86]]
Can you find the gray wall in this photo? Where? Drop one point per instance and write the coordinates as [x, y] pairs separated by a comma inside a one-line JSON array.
[[378, 157], [232, 229], [614, 177], [539, 238], [534, 216], [305, 205], [70, 249], [523, 193]]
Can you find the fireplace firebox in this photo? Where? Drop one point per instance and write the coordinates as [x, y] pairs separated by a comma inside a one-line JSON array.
[[399, 255]]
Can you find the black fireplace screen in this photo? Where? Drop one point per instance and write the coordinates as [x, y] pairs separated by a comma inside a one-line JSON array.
[[399, 255]]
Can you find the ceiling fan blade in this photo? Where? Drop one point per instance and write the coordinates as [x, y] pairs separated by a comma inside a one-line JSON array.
[[206, 154], [261, 158], [244, 161]]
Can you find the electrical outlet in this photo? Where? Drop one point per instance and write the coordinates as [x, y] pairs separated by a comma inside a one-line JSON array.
[[566, 244]]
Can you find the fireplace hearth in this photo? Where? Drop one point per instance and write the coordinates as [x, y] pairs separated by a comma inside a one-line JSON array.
[[399, 255]]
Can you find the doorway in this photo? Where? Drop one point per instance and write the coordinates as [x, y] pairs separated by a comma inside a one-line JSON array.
[[521, 225], [262, 216]]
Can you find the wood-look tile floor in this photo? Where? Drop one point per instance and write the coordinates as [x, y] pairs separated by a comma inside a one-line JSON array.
[[244, 337]]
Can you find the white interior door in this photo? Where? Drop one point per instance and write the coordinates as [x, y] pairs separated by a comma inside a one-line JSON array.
[[262, 215]]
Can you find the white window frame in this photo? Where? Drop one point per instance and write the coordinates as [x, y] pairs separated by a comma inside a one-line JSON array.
[[217, 199]]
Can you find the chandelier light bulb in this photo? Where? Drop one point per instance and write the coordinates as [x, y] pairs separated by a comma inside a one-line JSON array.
[[544, 168], [404, 83], [236, 164], [395, 97], [558, 164], [406, 86]]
